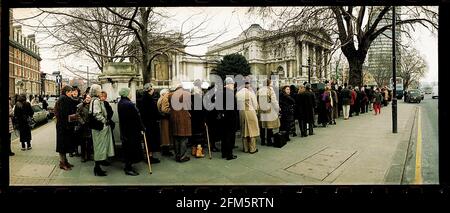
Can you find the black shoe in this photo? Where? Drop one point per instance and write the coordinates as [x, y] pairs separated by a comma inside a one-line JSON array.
[[99, 172], [235, 147], [294, 135], [167, 153], [263, 143], [311, 133], [231, 157], [131, 172], [12, 154], [254, 151], [105, 163], [183, 159], [154, 160], [29, 148]]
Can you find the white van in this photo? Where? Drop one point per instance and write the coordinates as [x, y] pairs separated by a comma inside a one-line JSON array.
[[435, 93]]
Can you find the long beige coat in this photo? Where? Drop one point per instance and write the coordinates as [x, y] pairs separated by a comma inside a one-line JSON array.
[[247, 105], [269, 108], [102, 140], [164, 109], [180, 118]]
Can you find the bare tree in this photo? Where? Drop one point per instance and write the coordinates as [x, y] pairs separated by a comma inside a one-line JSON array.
[[413, 67], [114, 34], [355, 26], [90, 31]]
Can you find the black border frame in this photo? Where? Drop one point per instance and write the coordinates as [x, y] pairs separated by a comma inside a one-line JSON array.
[[284, 195]]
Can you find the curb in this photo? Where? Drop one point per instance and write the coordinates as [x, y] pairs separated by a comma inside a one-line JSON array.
[[395, 173]]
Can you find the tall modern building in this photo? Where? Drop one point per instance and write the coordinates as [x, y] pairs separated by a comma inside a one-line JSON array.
[[380, 51], [24, 62]]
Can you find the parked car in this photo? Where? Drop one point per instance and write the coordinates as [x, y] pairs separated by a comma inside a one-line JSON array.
[[51, 106], [435, 93], [422, 93], [413, 95], [40, 115]]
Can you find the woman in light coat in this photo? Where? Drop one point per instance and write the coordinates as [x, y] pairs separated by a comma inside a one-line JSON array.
[[164, 108], [102, 139], [268, 112], [247, 105]]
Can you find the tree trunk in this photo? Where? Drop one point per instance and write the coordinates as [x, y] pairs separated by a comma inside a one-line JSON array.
[[355, 71]]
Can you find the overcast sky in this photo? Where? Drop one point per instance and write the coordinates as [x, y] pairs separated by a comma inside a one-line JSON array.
[[228, 22]]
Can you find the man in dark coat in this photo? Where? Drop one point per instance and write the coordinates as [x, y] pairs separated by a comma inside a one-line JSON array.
[[287, 108], [150, 117], [65, 121], [212, 119], [346, 99], [131, 129], [308, 105], [198, 117], [229, 118], [299, 114]]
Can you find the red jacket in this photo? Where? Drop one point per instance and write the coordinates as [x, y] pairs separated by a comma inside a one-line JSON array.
[[353, 97]]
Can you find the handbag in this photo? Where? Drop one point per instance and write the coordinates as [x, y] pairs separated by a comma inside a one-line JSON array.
[[93, 123], [279, 139]]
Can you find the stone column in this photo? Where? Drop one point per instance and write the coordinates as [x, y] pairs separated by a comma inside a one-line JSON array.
[[299, 59], [305, 55], [313, 61], [115, 76]]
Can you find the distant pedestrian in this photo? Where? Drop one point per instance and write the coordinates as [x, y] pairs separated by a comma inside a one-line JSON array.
[[23, 114], [378, 98], [335, 106], [363, 100], [131, 131], [346, 98]]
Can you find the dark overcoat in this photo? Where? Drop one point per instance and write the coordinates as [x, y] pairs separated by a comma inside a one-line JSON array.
[[22, 114], [308, 103], [64, 128], [287, 105], [131, 127]]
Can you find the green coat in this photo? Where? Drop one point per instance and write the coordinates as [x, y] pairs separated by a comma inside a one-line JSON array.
[[102, 140]]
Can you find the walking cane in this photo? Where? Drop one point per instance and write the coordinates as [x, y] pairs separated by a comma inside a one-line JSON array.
[[207, 138], [148, 157]]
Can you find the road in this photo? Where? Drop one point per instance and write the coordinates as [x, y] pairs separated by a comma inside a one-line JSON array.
[[422, 165]]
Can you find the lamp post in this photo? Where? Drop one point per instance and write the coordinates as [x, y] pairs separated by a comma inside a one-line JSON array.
[[58, 81], [309, 70], [394, 76]]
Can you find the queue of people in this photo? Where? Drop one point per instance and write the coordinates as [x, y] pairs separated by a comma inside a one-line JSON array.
[[181, 119]]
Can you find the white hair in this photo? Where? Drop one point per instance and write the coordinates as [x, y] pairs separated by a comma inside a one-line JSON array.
[[163, 92], [95, 90]]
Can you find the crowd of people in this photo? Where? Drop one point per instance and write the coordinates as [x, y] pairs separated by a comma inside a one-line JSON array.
[[84, 123]]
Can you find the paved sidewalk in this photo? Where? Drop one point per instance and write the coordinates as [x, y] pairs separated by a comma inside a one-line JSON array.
[[361, 150]]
